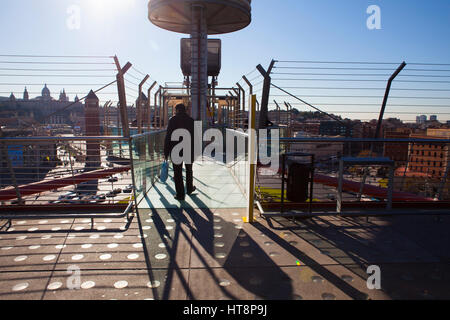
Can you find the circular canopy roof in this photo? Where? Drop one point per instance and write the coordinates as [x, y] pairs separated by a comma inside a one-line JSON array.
[[222, 16]]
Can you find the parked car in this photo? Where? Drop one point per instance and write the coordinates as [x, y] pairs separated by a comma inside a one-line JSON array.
[[75, 200], [67, 196], [113, 179], [110, 194], [98, 199], [101, 197], [128, 189], [117, 191]]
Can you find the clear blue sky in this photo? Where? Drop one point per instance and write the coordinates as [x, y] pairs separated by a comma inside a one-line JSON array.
[[412, 30]]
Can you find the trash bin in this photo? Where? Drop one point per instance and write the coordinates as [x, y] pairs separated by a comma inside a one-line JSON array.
[[298, 182]]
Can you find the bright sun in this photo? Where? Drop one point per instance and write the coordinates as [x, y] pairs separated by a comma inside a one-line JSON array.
[[110, 6]]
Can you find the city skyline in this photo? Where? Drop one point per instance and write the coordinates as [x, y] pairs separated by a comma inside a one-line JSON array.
[[410, 32]]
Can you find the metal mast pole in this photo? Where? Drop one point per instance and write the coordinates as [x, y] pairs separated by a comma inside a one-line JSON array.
[[199, 64]]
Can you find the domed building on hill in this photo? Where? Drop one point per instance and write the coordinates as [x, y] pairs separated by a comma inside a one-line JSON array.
[[14, 111]]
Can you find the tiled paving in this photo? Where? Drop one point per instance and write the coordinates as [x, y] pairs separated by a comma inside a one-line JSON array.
[[201, 253], [202, 249], [40, 259]]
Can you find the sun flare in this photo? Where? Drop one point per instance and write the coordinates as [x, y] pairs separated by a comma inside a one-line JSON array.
[[110, 6]]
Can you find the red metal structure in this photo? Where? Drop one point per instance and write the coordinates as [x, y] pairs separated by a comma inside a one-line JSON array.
[[42, 186]]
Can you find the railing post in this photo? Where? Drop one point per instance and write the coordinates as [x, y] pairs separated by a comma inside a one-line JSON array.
[[237, 108], [107, 123], [340, 182], [166, 112], [227, 115], [148, 116], [288, 119], [242, 100], [70, 159], [390, 186], [133, 177], [386, 96], [139, 110], [283, 173], [287, 115], [250, 89], [160, 107], [148, 148], [119, 126], [249, 85], [263, 116], [233, 109], [155, 122], [278, 112], [122, 95], [380, 122], [230, 111], [252, 143]]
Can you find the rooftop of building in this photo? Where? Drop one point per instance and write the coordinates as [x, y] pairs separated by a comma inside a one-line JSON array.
[[203, 251]]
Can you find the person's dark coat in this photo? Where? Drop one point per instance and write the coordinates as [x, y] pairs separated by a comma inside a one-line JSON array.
[[180, 121]]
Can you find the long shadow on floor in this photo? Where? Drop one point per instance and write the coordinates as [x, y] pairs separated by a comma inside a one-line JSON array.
[[197, 231], [233, 258], [411, 251]]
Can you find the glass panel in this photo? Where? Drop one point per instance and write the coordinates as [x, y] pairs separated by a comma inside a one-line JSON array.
[[63, 170], [147, 157], [239, 165], [418, 176]]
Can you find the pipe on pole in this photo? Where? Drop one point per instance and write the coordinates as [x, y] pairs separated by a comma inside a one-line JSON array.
[[122, 95], [243, 95], [386, 96], [149, 112], [380, 122], [249, 84], [242, 100], [139, 110], [232, 110], [237, 108], [278, 112], [155, 123], [263, 116]]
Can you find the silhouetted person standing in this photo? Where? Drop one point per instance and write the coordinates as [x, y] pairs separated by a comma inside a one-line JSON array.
[[181, 121]]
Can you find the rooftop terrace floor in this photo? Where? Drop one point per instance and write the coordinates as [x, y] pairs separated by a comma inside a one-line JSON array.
[[202, 249], [202, 253]]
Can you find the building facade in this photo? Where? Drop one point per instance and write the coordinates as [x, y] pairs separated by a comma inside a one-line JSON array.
[[397, 151], [335, 128], [431, 159]]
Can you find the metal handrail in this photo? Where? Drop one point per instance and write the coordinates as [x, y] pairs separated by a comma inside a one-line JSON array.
[[80, 138], [237, 132], [416, 176], [136, 136], [311, 139], [80, 194]]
